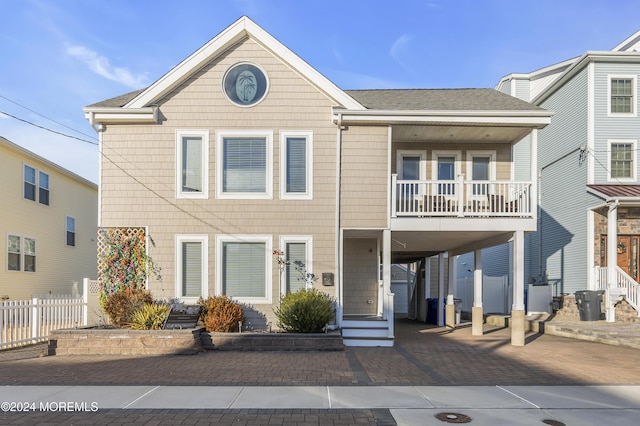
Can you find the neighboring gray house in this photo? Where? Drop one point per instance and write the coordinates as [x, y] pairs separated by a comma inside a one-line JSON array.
[[587, 172]]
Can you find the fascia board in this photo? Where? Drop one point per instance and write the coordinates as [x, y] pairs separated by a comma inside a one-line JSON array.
[[511, 118], [630, 41], [177, 74], [121, 115], [243, 27]]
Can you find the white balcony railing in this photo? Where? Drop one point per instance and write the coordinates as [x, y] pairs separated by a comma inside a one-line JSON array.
[[460, 198]]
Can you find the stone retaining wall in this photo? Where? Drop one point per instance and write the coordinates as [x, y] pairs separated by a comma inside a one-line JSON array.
[[99, 341], [272, 341]]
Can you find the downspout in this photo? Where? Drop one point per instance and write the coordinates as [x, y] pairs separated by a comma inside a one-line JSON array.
[[338, 259]]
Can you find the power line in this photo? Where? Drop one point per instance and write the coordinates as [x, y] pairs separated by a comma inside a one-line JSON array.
[[47, 129], [48, 118]]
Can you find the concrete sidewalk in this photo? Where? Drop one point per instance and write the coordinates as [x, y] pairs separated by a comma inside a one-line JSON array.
[[407, 405]]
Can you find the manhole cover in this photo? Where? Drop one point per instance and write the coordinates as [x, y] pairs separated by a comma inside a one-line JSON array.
[[453, 418], [553, 422]]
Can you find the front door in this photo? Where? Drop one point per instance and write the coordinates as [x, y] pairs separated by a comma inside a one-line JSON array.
[[627, 249]]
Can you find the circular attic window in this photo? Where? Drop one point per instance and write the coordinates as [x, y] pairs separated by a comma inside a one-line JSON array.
[[245, 84]]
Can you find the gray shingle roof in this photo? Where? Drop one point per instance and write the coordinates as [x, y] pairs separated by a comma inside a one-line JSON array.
[[118, 101], [407, 99], [440, 100]]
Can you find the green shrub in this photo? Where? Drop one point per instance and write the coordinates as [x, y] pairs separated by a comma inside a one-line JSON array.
[[150, 317], [120, 306], [221, 314], [305, 311]]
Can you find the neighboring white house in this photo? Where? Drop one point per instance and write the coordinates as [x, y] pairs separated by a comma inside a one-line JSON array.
[[243, 149], [49, 220], [589, 208]]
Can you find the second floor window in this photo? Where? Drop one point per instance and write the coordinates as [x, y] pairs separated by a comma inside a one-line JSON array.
[[192, 148], [296, 165], [622, 160], [244, 165], [36, 189], [622, 98]]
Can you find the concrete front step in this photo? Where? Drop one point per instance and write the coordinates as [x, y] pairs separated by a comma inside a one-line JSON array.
[[368, 342]]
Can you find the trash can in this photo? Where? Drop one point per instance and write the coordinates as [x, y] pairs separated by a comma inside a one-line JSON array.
[[458, 309], [432, 310], [589, 304]]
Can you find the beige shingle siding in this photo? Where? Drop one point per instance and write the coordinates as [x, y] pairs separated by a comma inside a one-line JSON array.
[[365, 178], [59, 269], [147, 197]]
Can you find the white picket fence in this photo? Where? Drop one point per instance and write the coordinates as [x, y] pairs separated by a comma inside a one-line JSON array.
[[24, 322]]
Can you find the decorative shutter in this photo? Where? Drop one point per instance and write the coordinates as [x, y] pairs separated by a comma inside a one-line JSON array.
[[297, 165], [243, 269]]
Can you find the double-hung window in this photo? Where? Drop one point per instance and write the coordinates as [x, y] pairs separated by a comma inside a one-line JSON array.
[[192, 164], [622, 95], [244, 166], [296, 165], [244, 267], [191, 266], [71, 231], [21, 253], [298, 256], [622, 160], [36, 189]]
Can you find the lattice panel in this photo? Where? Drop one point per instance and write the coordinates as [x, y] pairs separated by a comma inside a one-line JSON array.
[[119, 232]]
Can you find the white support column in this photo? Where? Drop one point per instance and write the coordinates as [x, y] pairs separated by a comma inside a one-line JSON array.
[[386, 279], [518, 309], [477, 314], [612, 258], [450, 308], [427, 277], [439, 304]]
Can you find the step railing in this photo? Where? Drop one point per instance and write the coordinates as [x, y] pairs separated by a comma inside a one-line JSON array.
[[622, 280]]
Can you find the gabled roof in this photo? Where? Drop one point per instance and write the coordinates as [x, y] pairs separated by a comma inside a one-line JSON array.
[[627, 51], [139, 105]]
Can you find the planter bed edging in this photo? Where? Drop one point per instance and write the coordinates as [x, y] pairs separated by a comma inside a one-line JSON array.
[[105, 341], [248, 341]]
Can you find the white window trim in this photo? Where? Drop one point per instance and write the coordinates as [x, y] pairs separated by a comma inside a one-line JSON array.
[[204, 134], [284, 195], [308, 240], [401, 153], [200, 238], [22, 252], [634, 102], [268, 135], [634, 156], [268, 240]]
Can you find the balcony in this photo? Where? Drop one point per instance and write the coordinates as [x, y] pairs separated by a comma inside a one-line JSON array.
[[460, 198]]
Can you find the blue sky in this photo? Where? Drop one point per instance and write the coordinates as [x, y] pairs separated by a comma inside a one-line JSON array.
[[59, 56]]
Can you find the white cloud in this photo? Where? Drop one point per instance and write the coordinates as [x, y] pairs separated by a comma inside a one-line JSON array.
[[399, 49], [101, 66]]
